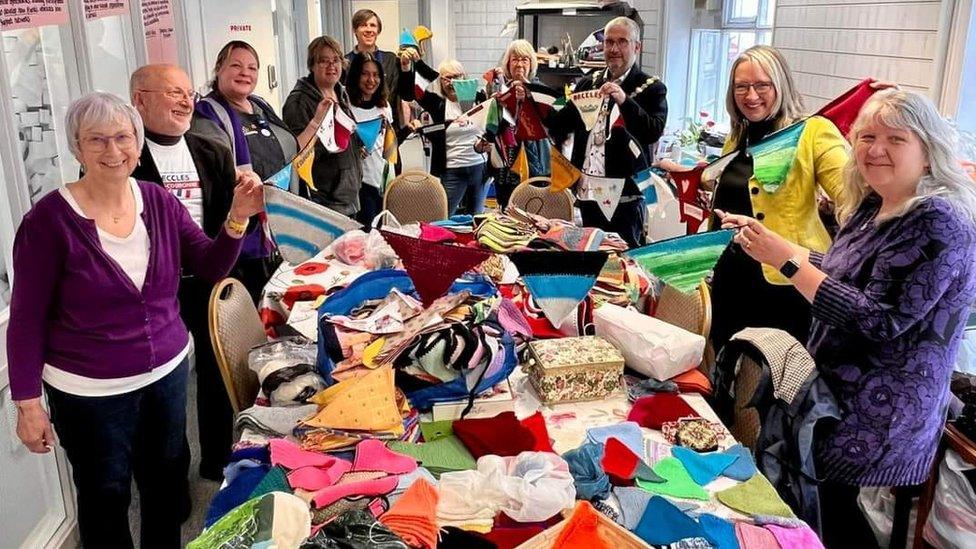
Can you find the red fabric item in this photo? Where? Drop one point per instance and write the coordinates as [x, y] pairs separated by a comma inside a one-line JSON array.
[[501, 435], [528, 123], [693, 381], [433, 266], [843, 110], [536, 424], [433, 233], [653, 411], [619, 462], [688, 183]]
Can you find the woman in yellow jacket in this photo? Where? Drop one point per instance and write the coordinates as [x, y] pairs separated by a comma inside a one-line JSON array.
[[761, 99]]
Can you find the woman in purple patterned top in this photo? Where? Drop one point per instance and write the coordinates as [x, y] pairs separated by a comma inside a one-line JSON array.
[[890, 301]]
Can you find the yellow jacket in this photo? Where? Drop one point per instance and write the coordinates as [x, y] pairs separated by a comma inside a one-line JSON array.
[[791, 211]]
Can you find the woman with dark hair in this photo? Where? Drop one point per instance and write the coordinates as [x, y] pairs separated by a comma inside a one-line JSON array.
[[369, 100], [337, 176]]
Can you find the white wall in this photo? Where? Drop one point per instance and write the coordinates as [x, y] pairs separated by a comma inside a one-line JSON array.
[[831, 45], [651, 12], [477, 24]]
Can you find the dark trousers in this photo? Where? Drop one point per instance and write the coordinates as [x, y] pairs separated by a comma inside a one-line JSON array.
[[467, 183], [215, 417], [107, 440], [370, 204], [843, 524], [627, 220]]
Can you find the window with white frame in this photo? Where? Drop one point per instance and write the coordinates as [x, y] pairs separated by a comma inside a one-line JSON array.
[[745, 23]]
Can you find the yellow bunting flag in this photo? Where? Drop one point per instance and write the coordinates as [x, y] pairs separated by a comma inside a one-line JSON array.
[[521, 164], [564, 173], [303, 163]]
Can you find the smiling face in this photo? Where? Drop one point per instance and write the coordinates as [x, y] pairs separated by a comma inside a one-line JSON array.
[[891, 160], [166, 101], [238, 75], [755, 94], [367, 33], [620, 51], [369, 80], [108, 150], [327, 68]]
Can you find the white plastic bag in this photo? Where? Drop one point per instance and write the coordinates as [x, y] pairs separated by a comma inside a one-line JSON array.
[[952, 520], [649, 345]]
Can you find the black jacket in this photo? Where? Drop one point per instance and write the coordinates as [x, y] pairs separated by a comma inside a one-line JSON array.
[[215, 167], [644, 117], [435, 105], [337, 176]]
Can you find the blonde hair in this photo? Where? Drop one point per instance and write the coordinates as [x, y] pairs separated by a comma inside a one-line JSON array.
[[788, 107], [450, 65], [520, 48], [945, 177]]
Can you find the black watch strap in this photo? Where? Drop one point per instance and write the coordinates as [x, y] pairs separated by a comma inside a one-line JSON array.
[[790, 268]]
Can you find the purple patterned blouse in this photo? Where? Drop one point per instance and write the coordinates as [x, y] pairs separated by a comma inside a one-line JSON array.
[[886, 327]]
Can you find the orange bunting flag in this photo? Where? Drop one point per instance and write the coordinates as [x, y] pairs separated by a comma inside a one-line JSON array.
[[563, 173]]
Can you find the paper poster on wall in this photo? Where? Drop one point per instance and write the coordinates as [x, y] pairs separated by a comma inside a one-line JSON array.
[[25, 14], [96, 9], [157, 19]]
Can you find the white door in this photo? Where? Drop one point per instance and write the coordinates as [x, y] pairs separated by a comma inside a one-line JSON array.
[[252, 22]]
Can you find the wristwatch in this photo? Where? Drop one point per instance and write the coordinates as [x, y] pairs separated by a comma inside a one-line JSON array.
[[790, 268]]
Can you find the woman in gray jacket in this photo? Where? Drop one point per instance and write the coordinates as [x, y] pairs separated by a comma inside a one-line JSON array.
[[337, 176]]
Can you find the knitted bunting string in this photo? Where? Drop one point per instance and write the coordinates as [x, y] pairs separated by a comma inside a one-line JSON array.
[[302, 228], [605, 191], [336, 130], [433, 266], [843, 110], [303, 163], [559, 281], [368, 131], [283, 178], [528, 121], [682, 262], [773, 157]]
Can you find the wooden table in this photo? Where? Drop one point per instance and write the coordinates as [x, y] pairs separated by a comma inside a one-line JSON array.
[[962, 445]]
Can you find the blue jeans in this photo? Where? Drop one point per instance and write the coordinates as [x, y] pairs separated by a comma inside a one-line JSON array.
[[469, 181], [107, 440]]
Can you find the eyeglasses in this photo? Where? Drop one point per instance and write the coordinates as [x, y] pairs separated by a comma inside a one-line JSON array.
[[615, 44], [98, 143], [760, 87], [329, 61], [176, 94], [521, 60]]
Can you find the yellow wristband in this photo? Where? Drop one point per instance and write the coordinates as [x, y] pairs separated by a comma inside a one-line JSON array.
[[236, 226]]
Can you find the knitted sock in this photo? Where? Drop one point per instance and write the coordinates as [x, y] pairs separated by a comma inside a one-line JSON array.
[[704, 468]]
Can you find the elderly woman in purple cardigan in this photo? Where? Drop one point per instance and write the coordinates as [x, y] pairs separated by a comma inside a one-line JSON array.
[[94, 320], [890, 301]]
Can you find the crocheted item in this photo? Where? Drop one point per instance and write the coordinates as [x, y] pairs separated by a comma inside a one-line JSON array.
[[528, 124], [844, 109], [685, 261], [301, 228], [755, 496], [654, 410], [355, 484], [434, 430], [433, 266], [663, 523], [677, 482], [559, 281], [704, 468], [699, 435], [536, 424]]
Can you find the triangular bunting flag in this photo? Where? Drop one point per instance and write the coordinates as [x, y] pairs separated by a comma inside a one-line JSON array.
[[408, 40], [704, 468], [368, 131], [558, 281], [391, 149], [477, 115], [521, 165], [336, 130], [562, 172], [843, 110], [303, 163], [493, 117], [300, 227], [773, 156], [588, 104], [528, 124], [682, 262], [433, 266], [647, 181], [283, 178], [545, 98], [605, 191], [466, 88]]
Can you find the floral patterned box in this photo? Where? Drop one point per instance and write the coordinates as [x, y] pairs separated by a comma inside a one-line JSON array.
[[573, 369]]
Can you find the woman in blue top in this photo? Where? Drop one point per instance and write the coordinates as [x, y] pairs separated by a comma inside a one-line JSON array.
[[94, 318], [890, 300]]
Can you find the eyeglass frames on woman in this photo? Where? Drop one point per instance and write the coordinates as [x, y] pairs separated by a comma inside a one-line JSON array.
[[760, 87], [98, 143]]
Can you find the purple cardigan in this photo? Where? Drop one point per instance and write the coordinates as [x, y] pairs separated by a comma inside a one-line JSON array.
[[73, 306], [886, 327]]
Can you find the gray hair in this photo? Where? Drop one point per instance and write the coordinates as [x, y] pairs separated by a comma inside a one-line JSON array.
[[521, 48], [450, 65], [100, 108], [945, 177], [632, 29], [788, 107]]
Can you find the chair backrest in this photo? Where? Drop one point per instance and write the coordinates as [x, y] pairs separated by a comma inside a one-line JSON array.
[[415, 196], [745, 424], [235, 328], [533, 195], [692, 311]]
